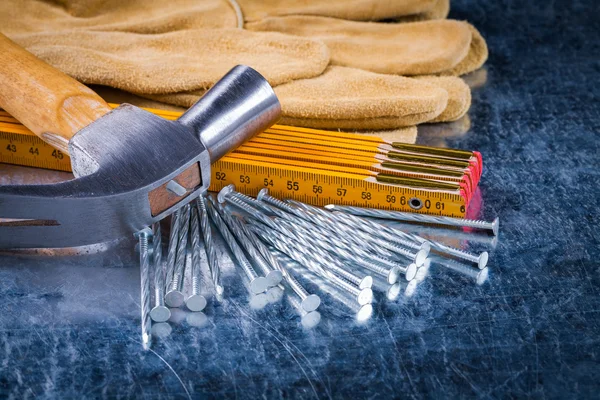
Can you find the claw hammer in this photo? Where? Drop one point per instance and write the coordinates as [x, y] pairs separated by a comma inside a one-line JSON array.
[[131, 168]]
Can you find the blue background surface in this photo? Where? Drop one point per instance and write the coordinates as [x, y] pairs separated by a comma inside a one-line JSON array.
[[69, 323]]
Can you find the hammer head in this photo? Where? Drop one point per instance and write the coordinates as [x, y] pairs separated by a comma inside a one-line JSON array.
[[133, 168]]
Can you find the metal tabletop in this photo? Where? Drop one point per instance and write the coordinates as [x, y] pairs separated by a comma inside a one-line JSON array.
[[69, 319]]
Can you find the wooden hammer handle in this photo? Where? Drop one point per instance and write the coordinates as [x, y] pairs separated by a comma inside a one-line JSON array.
[[50, 103]]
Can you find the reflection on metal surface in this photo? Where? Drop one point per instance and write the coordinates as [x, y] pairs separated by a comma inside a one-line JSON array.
[[308, 319], [196, 319], [423, 271], [67, 251], [274, 294], [478, 275], [161, 330], [449, 237], [177, 316], [364, 314], [400, 289], [311, 319], [476, 79], [258, 301]]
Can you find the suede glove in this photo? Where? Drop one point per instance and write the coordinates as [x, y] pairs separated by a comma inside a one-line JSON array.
[[415, 48], [173, 52]]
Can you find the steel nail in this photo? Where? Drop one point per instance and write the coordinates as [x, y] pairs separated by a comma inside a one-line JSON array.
[[284, 244], [195, 301], [174, 297], [407, 216], [258, 284], [243, 236], [172, 249], [159, 312], [373, 236], [142, 237], [209, 246]]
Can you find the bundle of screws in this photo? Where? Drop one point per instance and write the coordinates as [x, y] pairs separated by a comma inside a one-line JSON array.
[[337, 246]]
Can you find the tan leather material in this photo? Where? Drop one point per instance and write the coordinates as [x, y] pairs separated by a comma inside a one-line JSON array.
[[351, 98], [136, 16], [416, 48], [404, 135], [357, 10], [358, 124], [172, 52], [476, 57], [440, 10], [459, 96], [175, 61], [181, 99]]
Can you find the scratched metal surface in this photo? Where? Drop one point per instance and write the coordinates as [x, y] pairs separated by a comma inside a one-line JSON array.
[[69, 321]]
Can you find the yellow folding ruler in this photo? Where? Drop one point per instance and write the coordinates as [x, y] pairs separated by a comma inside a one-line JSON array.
[[314, 166]]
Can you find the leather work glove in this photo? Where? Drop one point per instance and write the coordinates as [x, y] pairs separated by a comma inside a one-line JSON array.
[[325, 75], [353, 10]]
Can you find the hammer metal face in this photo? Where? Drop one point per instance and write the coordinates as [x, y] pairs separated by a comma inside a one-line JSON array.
[[125, 170], [133, 168]]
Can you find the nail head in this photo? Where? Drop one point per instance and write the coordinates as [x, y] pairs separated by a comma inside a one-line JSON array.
[[274, 277], [365, 296], [259, 285], [411, 272], [160, 314], [262, 193], [196, 302], [421, 257], [393, 275], [311, 319], [224, 192], [366, 282], [496, 226], [483, 260], [311, 303], [174, 298]]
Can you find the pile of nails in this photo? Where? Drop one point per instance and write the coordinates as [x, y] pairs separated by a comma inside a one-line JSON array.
[[340, 247]]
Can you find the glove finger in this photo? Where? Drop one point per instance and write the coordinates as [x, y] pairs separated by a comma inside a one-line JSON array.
[[476, 57], [440, 10], [175, 61], [356, 10], [459, 96], [416, 48], [348, 98], [139, 16]]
